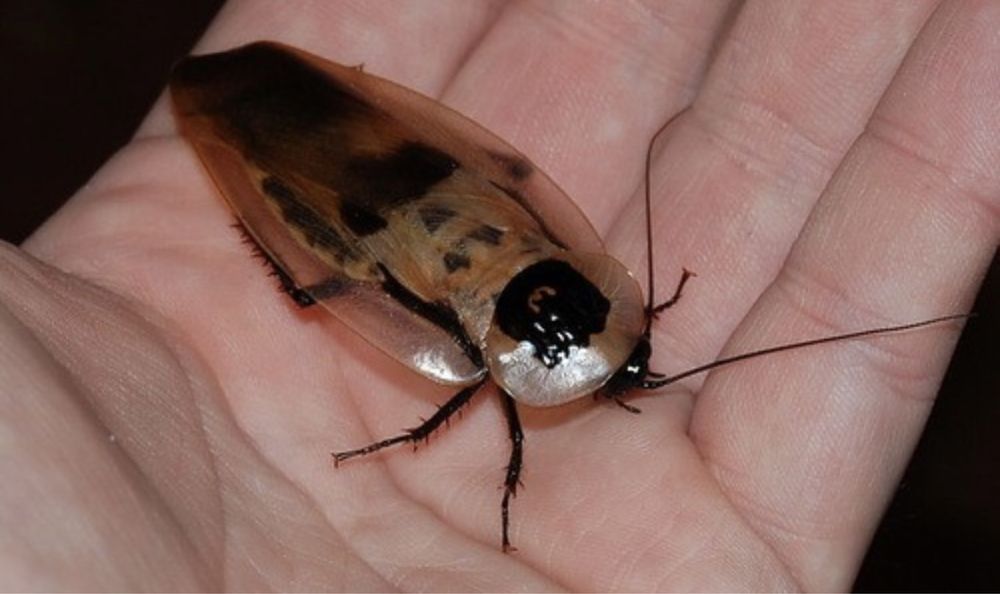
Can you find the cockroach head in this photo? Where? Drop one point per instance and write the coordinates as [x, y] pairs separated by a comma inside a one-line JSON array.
[[631, 374]]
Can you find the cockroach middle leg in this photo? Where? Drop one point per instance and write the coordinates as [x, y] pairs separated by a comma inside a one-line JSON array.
[[421, 432], [512, 480]]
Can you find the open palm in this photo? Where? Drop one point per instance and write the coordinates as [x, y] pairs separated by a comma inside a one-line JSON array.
[[170, 415]]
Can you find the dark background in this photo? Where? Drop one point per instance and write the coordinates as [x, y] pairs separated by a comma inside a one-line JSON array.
[[78, 76]]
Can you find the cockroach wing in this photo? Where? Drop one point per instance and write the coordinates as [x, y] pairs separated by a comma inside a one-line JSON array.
[[315, 158]]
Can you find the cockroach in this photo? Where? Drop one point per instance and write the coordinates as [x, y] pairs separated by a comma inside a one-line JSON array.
[[435, 240]]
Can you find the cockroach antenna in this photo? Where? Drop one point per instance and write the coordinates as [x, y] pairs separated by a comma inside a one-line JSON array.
[[653, 384], [656, 380], [651, 308]]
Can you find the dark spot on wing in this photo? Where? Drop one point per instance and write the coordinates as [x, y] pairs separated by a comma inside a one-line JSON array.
[[300, 297], [290, 117], [402, 175], [486, 234], [266, 98], [360, 220], [288, 285], [453, 261], [434, 216], [275, 188], [518, 197], [516, 167], [437, 313], [300, 216], [330, 287]]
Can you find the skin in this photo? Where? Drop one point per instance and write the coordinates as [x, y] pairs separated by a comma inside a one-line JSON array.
[[168, 415]]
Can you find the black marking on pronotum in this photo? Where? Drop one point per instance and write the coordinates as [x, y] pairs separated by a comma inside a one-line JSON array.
[[516, 167], [486, 234], [434, 216], [360, 220], [453, 261], [526, 205], [440, 315], [299, 216], [554, 307]]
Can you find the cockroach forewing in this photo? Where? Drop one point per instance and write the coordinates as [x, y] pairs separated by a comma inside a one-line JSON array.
[[313, 156]]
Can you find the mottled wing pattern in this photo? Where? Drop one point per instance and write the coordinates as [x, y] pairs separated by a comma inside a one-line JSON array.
[[326, 166]]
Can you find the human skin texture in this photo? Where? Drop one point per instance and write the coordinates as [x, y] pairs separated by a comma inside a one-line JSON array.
[[168, 416]]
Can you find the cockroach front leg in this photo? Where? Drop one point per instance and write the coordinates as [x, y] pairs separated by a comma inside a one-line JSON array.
[[655, 310]]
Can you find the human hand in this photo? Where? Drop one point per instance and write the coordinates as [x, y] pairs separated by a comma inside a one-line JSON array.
[[805, 204]]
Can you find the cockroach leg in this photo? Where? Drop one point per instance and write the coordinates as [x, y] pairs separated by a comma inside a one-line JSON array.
[[628, 407], [419, 433], [300, 297], [512, 480], [676, 296]]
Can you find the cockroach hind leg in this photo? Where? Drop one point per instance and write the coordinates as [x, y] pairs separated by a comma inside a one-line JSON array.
[[417, 434]]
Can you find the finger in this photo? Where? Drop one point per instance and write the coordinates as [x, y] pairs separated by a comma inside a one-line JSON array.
[[904, 232], [579, 87], [792, 87]]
